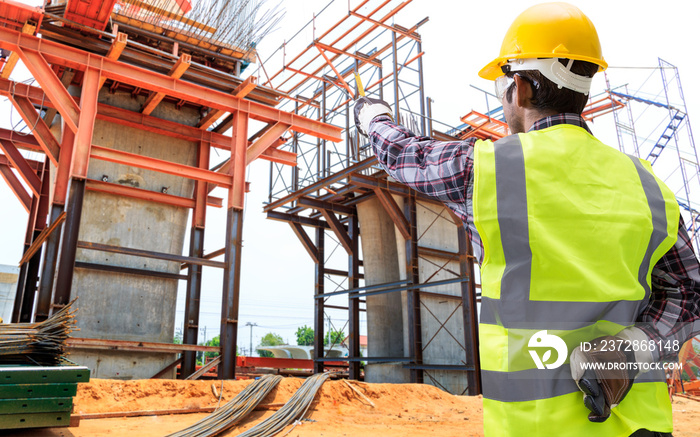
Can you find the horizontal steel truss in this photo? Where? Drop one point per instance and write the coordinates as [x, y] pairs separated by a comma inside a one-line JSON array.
[[336, 212], [71, 157]]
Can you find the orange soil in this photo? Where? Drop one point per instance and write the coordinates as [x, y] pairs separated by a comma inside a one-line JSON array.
[[400, 409]]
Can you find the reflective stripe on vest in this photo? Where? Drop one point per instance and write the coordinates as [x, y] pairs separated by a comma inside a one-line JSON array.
[[519, 298]]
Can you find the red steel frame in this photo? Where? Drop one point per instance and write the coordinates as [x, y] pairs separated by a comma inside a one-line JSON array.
[[75, 150]]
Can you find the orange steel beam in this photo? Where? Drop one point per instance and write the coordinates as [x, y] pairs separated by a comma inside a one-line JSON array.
[[372, 28], [176, 72], [269, 80], [36, 166], [131, 119], [352, 28], [151, 196], [348, 54], [380, 80], [115, 51], [88, 111], [16, 186], [11, 61], [59, 54], [239, 144], [414, 37], [50, 83], [159, 165], [199, 212], [241, 91], [337, 75], [22, 141], [265, 141], [41, 130], [60, 191], [22, 166]]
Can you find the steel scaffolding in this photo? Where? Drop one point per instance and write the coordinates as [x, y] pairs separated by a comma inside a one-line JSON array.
[[331, 178]]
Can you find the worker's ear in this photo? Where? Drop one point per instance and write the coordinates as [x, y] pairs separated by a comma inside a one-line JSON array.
[[523, 92]]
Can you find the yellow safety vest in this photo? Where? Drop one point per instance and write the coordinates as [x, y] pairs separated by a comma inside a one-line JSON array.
[[571, 231]]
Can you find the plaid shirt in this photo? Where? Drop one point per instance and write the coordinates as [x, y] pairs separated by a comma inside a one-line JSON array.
[[445, 170]]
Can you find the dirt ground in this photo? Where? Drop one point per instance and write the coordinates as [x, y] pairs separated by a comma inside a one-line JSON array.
[[399, 410]]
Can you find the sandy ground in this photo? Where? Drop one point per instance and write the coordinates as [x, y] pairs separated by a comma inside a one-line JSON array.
[[399, 410]]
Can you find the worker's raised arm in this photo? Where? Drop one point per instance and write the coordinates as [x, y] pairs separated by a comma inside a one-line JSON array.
[[439, 169]]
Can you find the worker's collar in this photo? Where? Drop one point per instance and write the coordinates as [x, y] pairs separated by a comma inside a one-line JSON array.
[[553, 120]]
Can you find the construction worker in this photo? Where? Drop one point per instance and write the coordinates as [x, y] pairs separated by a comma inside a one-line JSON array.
[[584, 255]]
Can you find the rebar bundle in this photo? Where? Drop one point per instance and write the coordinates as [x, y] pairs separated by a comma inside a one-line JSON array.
[[42, 343], [295, 409], [234, 411], [222, 22]]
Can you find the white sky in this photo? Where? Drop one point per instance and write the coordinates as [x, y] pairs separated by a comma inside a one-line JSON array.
[[461, 37]]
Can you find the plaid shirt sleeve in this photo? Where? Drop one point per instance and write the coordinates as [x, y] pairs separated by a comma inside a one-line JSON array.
[[673, 312], [440, 169]]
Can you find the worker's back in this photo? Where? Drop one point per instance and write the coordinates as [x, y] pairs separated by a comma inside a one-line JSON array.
[[571, 229]]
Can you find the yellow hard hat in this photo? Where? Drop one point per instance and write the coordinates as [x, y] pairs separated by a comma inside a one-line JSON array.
[[548, 30]]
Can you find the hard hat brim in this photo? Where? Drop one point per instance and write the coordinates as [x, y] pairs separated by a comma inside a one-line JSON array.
[[492, 70]]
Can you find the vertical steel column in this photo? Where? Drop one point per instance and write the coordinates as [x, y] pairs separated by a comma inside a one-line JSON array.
[[18, 316], [471, 324], [48, 269], [234, 244], [415, 343], [78, 172], [354, 302], [429, 102], [48, 272], [322, 152], [69, 246], [194, 273], [295, 149], [41, 203], [381, 85], [395, 63], [421, 89], [319, 274]]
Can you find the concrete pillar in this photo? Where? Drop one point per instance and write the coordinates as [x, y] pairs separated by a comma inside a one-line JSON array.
[[384, 316], [8, 287], [124, 306]]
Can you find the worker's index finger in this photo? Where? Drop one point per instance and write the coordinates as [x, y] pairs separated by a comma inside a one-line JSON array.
[[358, 81]]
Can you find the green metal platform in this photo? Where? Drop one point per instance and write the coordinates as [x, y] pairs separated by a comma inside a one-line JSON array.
[[38, 396]]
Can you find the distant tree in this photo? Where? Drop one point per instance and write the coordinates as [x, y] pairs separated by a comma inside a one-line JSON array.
[[214, 342], [269, 339], [305, 336], [201, 359], [336, 338], [177, 339]]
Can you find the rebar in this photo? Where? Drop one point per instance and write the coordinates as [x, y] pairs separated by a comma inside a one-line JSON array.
[[238, 24], [234, 411], [292, 412], [41, 343]]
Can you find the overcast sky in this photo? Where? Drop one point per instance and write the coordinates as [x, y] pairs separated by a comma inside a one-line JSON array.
[[459, 39]]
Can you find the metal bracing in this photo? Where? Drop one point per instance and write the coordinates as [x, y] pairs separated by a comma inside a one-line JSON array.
[[333, 216], [55, 63]]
